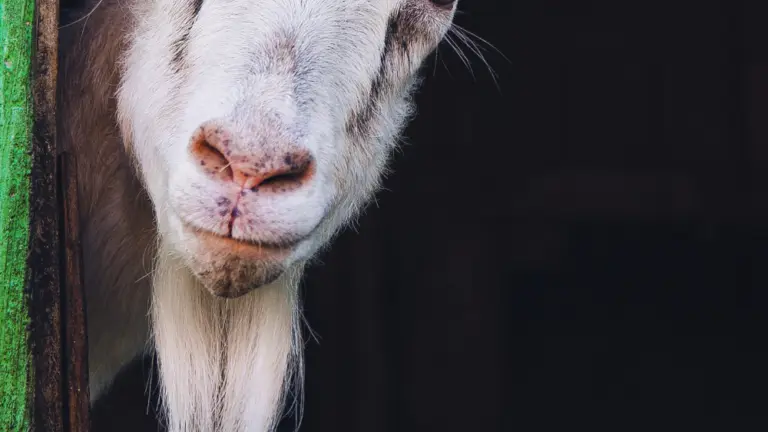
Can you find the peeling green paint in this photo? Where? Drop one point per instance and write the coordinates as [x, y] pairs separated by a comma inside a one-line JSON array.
[[16, 383]]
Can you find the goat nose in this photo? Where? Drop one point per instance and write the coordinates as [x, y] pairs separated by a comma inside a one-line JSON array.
[[282, 168]]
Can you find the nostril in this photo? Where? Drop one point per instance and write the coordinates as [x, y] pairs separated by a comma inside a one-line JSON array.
[[210, 159], [294, 169], [280, 178]]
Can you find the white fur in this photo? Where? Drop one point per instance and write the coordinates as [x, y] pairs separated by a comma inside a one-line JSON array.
[[243, 346], [276, 71]]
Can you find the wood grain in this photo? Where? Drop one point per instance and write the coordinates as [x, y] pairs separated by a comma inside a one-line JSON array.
[[16, 371], [75, 337], [44, 264]]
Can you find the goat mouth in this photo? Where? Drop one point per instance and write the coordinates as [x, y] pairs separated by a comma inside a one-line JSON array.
[[240, 243], [230, 268], [236, 244]]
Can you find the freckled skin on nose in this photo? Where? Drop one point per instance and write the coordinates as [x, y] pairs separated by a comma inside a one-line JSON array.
[[258, 168]]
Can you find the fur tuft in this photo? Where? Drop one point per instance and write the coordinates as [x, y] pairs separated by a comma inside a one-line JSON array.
[[224, 363]]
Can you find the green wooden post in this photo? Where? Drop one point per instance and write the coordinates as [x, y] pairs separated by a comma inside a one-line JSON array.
[[33, 371], [16, 365]]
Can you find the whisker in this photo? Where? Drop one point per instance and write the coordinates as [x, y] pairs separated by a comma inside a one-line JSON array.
[[481, 40], [437, 54], [475, 49], [84, 17], [445, 66], [462, 56]]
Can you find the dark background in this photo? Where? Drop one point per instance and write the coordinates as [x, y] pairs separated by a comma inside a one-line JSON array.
[[584, 246]]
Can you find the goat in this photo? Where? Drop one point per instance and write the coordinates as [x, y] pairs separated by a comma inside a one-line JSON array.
[[220, 145]]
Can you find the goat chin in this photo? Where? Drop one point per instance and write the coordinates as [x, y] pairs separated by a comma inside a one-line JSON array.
[[213, 352]]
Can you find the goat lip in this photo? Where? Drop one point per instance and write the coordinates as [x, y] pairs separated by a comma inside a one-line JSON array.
[[235, 243]]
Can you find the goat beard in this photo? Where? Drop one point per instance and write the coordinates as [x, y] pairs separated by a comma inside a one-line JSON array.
[[224, 364]]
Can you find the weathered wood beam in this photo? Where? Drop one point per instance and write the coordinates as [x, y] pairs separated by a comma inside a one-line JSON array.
[[75, 337], [44, 261]]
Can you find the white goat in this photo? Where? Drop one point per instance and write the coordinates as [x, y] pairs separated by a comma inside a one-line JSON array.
[[220, 145]]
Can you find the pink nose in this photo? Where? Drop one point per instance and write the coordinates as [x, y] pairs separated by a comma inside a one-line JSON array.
[[281, 168]]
